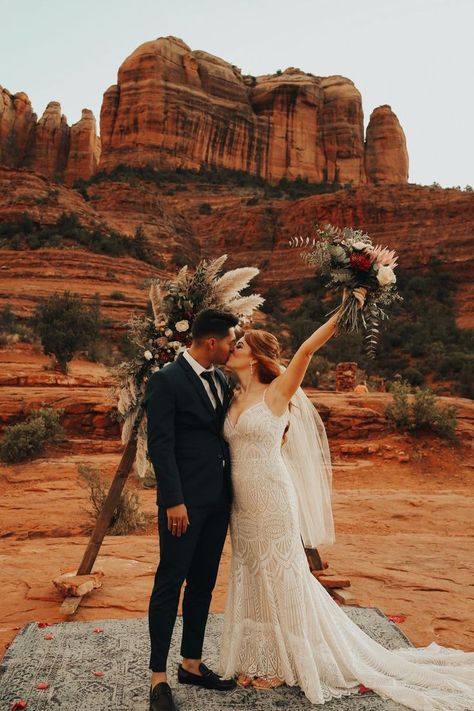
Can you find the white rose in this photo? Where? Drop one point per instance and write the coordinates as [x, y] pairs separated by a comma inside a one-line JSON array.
[[148, 355], [385, 276], [182, 326], [174, 344], [168, 332], [337, 252], [359, 245]]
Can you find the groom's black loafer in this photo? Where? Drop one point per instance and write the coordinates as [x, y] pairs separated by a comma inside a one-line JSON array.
[[161, 698], [208, 680]]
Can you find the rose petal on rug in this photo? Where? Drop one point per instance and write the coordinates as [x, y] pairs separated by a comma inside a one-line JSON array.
[[397, 618]]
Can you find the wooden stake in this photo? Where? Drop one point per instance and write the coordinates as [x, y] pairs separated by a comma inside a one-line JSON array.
[[314, 559], [112, 499], [70, 605]]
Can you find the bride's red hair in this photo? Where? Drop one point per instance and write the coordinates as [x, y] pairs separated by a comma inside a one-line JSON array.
[[266, 350]]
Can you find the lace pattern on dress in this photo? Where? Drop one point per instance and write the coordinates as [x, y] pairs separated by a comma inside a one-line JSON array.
[[279, 620]]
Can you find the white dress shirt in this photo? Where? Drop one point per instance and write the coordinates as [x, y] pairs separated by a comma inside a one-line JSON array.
[[198, 368]]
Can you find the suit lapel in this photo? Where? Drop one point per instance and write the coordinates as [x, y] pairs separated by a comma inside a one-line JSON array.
[[197, 384]]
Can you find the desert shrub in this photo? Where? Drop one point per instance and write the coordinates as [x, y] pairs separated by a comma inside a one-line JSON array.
[[422, 414], [65, 325], [118, 296], [413, 376], [451, 365], [27, 439], [102, 351], [24, 233], [398, 412], [84, 194], [428, 415], [8, 320], [12, 329], [179, 259], [252, 200], [127, 517], [205, 208], [318, 366], [127, 349], [272, 303], [140, 246], [25, 333], [465, 385], [179, 178]]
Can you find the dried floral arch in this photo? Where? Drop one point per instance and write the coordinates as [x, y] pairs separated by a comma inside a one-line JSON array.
[[159, 340]]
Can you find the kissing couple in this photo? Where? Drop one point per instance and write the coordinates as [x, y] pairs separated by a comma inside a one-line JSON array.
[[259, 460]]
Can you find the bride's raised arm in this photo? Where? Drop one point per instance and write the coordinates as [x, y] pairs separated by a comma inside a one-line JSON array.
[[285, 386]]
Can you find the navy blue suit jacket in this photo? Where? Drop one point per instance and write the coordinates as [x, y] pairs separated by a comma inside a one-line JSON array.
[[185, 443]]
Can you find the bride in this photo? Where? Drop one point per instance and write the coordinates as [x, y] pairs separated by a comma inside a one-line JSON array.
[[280, 624]]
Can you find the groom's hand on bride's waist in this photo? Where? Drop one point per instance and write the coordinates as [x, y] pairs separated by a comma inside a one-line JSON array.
[[178, 520]]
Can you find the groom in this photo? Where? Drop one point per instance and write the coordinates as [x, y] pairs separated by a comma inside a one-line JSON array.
[[186, 403]]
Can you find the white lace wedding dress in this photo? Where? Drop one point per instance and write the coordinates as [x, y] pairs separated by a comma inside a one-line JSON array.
[[279, 620]]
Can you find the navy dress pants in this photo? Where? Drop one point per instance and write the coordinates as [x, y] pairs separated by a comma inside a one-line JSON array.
[[194, 557]]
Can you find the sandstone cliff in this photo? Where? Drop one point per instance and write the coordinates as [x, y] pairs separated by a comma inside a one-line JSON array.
[[386, 156], [48, 146], [174, 107]]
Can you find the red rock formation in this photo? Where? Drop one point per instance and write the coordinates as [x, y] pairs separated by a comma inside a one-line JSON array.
[[49, 146], [419, 222], [17, 127], [84, 150], [343, 131], [174, 107], [115, 206], [386, 156]]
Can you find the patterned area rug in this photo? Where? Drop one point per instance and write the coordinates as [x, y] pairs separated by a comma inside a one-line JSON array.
[[70, 661]]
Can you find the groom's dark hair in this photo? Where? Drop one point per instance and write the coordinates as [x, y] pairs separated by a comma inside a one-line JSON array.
[[212, 322]]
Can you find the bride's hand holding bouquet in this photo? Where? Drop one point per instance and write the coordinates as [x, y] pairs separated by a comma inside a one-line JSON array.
[[353, 264]]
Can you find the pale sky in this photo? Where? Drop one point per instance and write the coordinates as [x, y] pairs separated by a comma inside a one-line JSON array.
[[415, 55]]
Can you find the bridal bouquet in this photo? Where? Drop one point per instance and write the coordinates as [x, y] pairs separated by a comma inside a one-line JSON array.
[[160, 339], [350, 260]]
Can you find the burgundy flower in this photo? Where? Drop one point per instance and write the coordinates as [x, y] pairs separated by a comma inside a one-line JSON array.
[[166, 357], [361, 261]]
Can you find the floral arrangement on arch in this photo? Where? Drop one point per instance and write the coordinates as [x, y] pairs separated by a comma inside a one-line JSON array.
[[159, 340], [350, 260]]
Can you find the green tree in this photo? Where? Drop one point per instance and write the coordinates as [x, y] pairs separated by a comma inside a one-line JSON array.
[[65, 325]]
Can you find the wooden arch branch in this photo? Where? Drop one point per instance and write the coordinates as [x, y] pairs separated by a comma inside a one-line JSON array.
[[71, 603]]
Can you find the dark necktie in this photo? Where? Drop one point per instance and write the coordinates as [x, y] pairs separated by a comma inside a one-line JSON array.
[[207, 375]]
